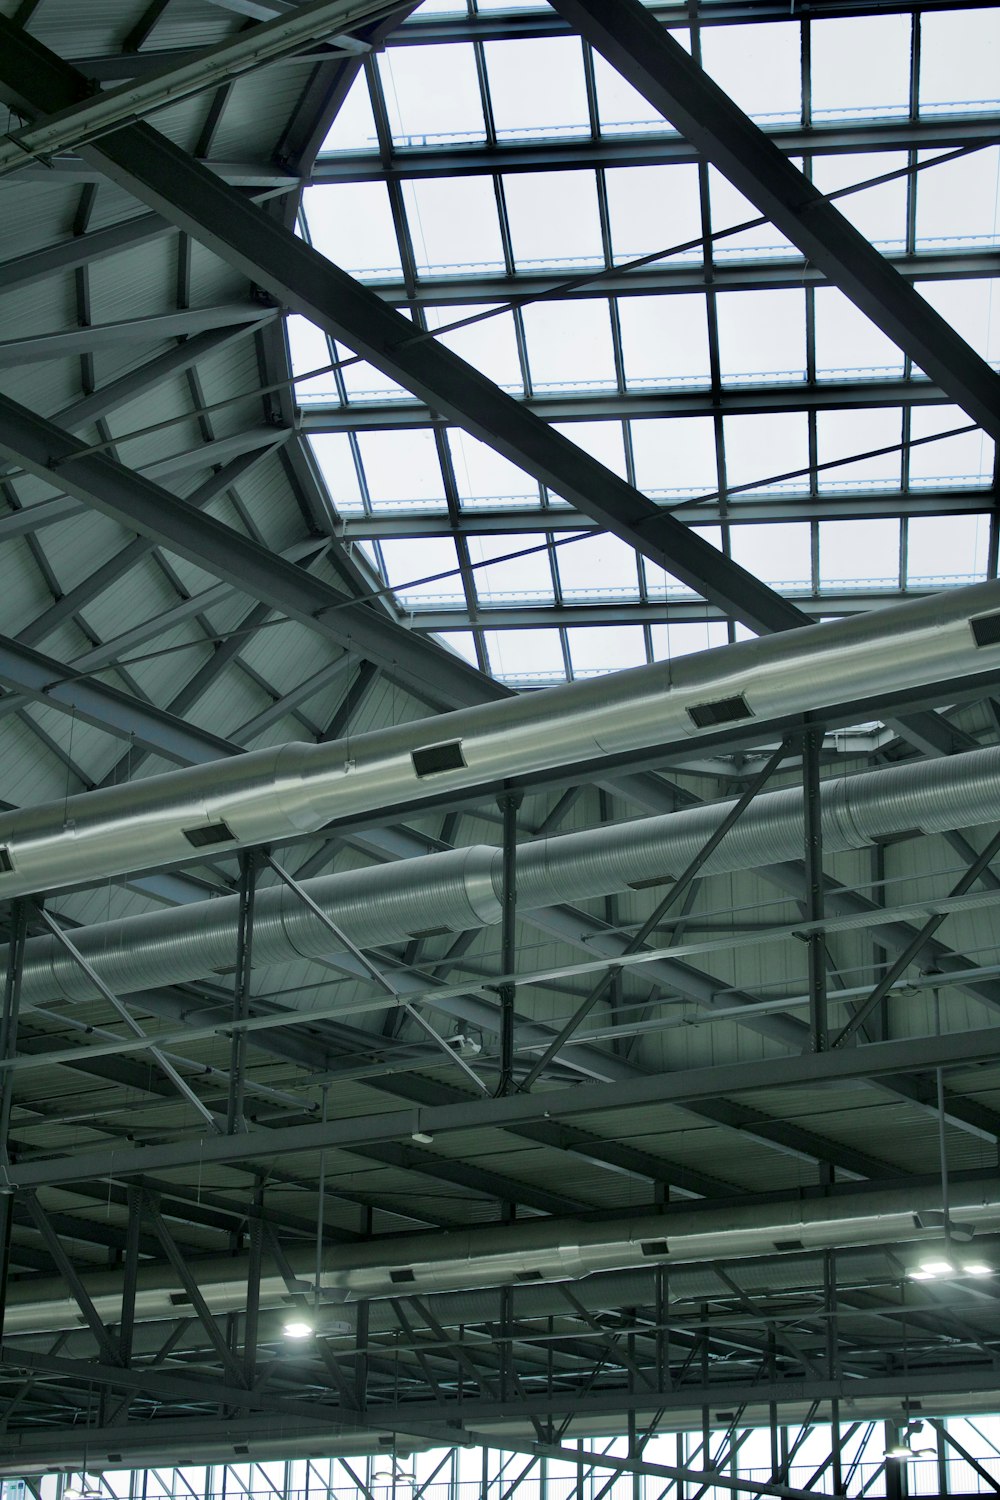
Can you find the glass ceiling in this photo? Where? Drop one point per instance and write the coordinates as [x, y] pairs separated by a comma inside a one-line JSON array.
[[722, 377]]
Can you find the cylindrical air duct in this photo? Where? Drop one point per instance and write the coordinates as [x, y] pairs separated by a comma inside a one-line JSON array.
[[460, 890], [276, 794]]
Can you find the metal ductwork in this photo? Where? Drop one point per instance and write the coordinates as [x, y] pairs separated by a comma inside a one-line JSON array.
[[280, 793], [549, 1250], [460, 890]]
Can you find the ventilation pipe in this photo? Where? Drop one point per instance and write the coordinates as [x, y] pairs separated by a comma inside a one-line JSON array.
[[549, 1250], [461, 890], [281, 793]]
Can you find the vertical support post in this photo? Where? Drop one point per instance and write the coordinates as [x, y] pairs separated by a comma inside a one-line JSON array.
[[253, 1293], [241, 991], [508, 802], [131, 1274], [812, 742], [8, 1049], [895, 1472]]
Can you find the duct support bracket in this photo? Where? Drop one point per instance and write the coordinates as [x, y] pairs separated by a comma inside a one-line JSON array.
[[8, 1050], [812, 744], [508, 802], [250, 861]]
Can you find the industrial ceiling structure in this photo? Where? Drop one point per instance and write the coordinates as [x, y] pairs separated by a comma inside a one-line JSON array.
[[569, 1050]]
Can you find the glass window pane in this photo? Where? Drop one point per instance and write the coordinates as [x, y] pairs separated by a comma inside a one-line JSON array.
[[762, 335], [531, 657], [402, 469], [684, 639], [415, 558], [665, 340], [485, 479], [453, 225], [554, 219], [729, 208], [952, 463], [537, 88], [363, 383], [859, 554], [332, 451], [957, 201], [675, 458], [354, 127], [878, 212], [621, 109], [973, 310], [778, 553], [569, 345], [351, 224], [848, 344], [759, 448], [523, 579], [462, 642], [432, 94], [758, 66], [653, 208], [490, 346], [861, 67], [606, 648], [840, 434], [598, 567], [959, 60], [310, 350], [947, 550]]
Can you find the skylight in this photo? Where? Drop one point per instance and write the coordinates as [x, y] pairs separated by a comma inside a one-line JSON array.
[[753, 400]]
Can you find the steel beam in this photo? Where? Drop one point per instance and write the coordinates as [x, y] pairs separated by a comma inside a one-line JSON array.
[[149, 330], [172, 183], [733, 400], [670, 278], [237, 560], [587, 154], [84, 113], [43, 680], [651, 60], [873, 1060], [859, 505]]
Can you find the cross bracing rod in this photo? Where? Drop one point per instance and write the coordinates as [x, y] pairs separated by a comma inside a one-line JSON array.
[[651, 60], [237, 560], [168, 180], [149, 330]]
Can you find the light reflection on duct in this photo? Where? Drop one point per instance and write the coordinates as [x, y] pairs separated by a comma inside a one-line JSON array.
[[548, 1250], [281, 793], [460, 890]]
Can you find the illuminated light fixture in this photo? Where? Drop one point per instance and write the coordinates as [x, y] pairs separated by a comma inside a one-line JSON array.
[[938, 1267], [422, 1138], [903, 1451], [296, 1328]]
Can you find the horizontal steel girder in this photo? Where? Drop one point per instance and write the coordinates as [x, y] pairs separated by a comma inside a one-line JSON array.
[[657, 66], [860, 505], [872, 1060], [669, 278], [151, 330], [410, 163], [611, 405], [168, 180]]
